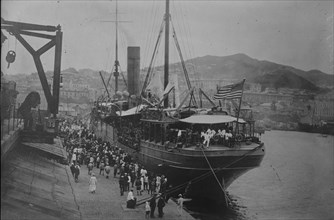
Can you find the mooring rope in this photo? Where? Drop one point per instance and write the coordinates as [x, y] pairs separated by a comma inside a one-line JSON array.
[[214, 174]]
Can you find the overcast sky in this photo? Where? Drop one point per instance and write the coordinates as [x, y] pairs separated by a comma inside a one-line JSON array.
[[295, 33]]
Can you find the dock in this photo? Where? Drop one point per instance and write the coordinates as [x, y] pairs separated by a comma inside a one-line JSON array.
[[107, 203], [34, 186]]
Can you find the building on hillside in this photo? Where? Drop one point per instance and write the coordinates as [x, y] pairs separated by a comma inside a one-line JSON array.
[[208, 86], [65, 110], [324, 106], [252, 97], [253, 87], [270, 90], [211, 84], [70, 85], [74, 94]]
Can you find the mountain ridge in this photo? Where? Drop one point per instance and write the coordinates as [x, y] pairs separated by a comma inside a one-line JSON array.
[[238, 66], [234, 67]]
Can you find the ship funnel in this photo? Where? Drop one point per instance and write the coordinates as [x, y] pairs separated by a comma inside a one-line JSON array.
[[133, 70]]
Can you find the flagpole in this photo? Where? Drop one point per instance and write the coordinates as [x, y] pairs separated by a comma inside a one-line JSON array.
[[242, 92], [220, 104]]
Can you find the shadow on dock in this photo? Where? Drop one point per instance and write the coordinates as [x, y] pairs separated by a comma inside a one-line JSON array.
[[35, 187]]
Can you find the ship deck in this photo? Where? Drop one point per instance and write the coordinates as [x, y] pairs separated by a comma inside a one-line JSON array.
[[241, 146]]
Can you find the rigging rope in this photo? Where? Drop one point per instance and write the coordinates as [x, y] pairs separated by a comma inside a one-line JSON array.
[[190, 46], [214, 174], [186, 30], [149, 38], [121, 72], [109, 57], [112, 70], [149, 71]]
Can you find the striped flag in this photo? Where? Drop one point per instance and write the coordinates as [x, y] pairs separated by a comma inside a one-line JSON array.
[[233, 91]]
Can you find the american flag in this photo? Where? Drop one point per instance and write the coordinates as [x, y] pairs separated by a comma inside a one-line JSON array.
[[233, 91]]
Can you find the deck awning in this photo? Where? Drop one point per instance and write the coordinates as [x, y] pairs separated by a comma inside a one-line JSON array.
[[211, 119], [108, 104], [131, 111]]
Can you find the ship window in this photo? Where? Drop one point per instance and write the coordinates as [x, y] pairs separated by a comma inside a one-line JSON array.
[[146, 133], [157, 132], [163, 135], [151, 129]]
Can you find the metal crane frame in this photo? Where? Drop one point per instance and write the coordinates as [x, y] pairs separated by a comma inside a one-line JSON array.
[[18, 29]]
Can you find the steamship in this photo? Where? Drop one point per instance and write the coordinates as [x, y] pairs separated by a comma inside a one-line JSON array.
[[187, 144]]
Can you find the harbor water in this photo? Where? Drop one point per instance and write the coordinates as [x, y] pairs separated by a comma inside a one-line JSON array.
[[294, 181]]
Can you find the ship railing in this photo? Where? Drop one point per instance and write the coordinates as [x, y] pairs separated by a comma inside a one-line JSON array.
[[231, 142], [129, 141]]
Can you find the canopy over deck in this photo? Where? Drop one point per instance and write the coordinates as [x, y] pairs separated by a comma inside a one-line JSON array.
[[108, 104], [131, 111], [211, 119]]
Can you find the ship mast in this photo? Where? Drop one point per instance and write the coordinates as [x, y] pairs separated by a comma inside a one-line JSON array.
[[116, 65], [165, 25], [166, 68]]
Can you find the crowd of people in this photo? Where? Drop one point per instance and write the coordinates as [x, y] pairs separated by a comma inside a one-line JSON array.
[[205, 138], [84, 148]]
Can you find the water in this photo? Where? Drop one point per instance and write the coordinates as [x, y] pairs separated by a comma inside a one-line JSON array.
[[295, 180]]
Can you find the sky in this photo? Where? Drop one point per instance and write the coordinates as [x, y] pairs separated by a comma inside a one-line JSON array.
[[294, 33]]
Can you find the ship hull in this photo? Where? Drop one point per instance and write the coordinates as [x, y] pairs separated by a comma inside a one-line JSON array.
[[190, 173], [188, 169]]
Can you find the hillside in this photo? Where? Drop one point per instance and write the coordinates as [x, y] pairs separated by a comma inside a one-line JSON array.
[[240, 66], [237, 66], [281, 78]]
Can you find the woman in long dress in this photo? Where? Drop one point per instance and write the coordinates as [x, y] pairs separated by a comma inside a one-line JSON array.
[[92, 183]]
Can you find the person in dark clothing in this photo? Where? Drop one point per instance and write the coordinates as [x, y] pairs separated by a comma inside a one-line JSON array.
[[153, 185], [102, 166], [153, 204], [72, 167], [133, 177], [163, 187], [115, 170], [121, 184], [76, 172], [138, 186], [161, 205]]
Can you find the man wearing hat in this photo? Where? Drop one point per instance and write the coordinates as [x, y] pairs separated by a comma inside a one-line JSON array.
[[180, 201], [161, 205], [153, 204]]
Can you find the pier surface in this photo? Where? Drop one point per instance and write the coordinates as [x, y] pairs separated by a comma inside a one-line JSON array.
[[107, 203], [34, 187]]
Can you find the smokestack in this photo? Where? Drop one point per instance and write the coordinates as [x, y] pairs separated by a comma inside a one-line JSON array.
[[133, 70]]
